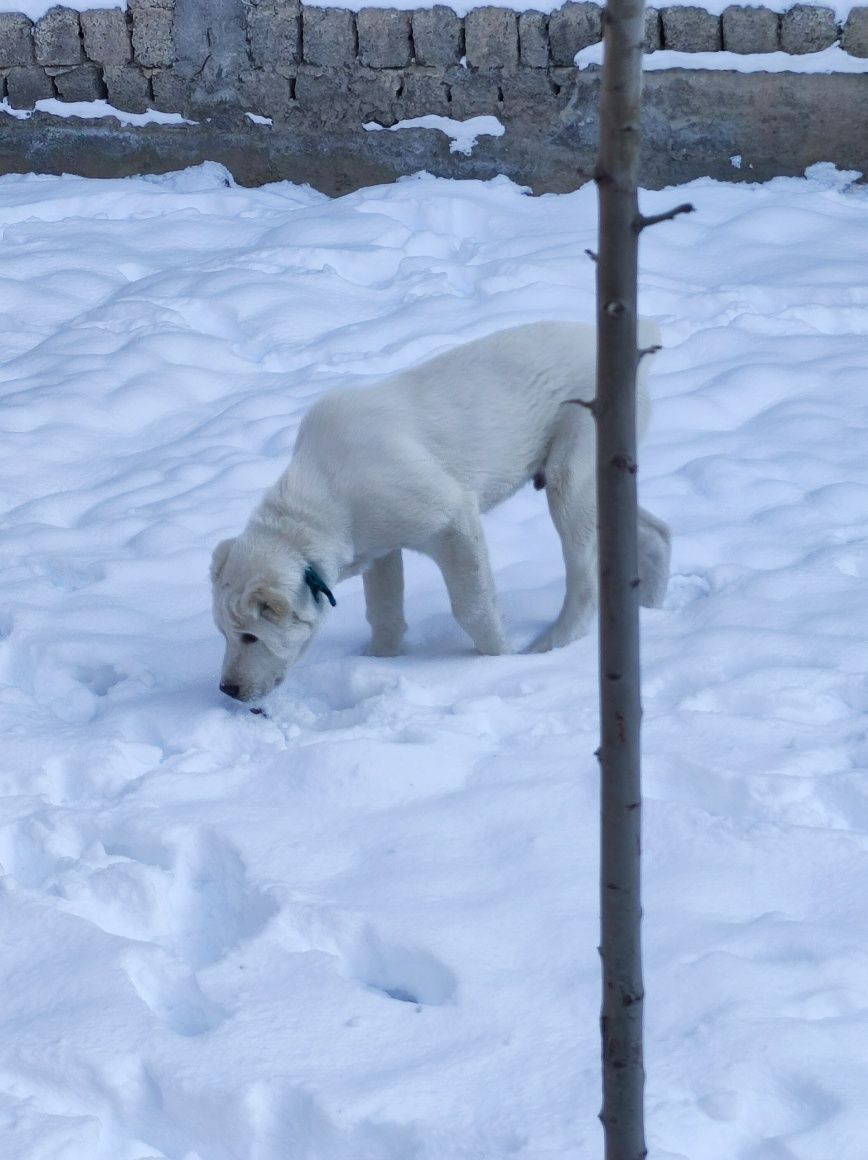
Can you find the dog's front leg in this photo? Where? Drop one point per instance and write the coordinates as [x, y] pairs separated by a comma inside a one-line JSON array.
[[384, 600], [461, 553]]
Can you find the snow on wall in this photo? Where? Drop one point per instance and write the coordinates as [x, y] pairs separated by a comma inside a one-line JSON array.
[[841, 8], [34, 9]]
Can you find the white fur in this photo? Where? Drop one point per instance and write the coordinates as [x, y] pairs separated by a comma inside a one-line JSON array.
[[412, 462]]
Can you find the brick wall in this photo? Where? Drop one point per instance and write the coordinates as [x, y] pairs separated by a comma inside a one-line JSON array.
[[330, 66]]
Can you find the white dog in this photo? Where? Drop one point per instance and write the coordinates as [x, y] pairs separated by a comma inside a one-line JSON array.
[[412, 462]]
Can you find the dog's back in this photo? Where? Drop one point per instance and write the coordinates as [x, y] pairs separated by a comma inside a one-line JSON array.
[[485, 412]]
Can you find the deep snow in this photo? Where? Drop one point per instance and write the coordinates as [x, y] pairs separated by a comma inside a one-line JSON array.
[[365, 928]]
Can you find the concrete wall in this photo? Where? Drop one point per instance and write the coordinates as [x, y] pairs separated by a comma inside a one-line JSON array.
[[320, 74]]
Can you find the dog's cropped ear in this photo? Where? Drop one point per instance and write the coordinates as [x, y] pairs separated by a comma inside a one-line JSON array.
[[218, 559], [268, 601]]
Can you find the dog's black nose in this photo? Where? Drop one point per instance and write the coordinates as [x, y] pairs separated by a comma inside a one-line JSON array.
[[230, 690]]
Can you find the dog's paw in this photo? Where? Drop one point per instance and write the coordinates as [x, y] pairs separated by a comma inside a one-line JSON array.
[[385, 648], [500, 649], [555, 637], [542, 644], [652, 588], [491, 643]]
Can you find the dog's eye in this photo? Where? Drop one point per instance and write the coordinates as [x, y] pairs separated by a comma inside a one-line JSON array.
[[248, 638]]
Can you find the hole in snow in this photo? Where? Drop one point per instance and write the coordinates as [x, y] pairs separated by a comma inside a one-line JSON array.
[[400, 994], [100, 678], [408, 976]]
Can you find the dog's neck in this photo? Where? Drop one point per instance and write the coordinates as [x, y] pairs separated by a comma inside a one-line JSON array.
[[301, 512]]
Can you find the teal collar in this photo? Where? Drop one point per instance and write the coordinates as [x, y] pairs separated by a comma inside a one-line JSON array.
[[316, 584]]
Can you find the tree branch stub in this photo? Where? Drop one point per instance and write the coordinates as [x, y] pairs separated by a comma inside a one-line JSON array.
[[643, 221]]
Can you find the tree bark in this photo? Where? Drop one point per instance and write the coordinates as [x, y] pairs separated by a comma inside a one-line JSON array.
[[616, 175]]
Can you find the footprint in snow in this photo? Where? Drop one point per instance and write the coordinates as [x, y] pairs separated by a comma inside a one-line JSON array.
[[99, 678], [190, 898], [172, 992], [72, 688], [68, 575], [401, 973], [104, 770], [404, 974], [784, 1105], [286, 1120], [204, 904]]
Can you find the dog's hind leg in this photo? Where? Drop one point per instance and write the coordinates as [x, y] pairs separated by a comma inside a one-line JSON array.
[[571, 494], [384, 600], [461, 553], [655, 547]]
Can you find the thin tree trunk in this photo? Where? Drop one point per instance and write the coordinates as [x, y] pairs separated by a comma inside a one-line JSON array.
[[622, 1113]]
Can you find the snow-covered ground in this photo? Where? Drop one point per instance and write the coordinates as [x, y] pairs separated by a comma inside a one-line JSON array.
[[365, 928]]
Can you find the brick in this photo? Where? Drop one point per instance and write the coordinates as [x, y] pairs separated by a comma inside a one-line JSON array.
[[128, 88], [424, 92], [16, 40], [82, 83], [153, 36], [106, 36], [438, 36], [691, 30], [57, 38], [808, 29], [321, 93], [491, 38], [374, 95], [528, 96], [170, 91], [472, 94], [384, 38], [25, 86], [328, 36], [854, 38], [274, 36], [750, 30], [266, 92], [533, 40], [564, 82], [572, 28], [653, 31]]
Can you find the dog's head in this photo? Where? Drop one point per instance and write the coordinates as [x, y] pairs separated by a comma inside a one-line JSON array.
[[267, 604]]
